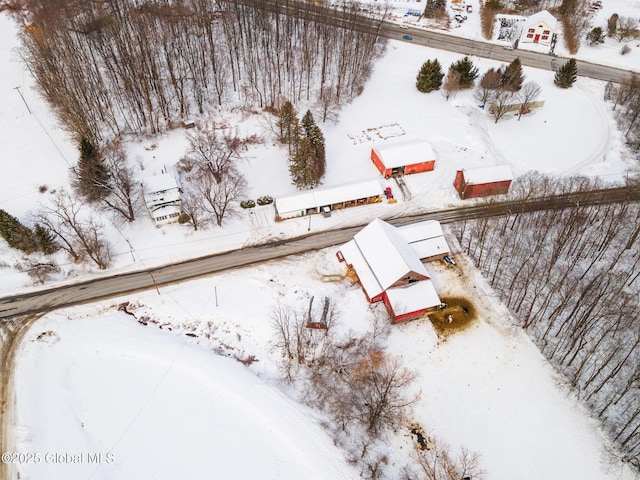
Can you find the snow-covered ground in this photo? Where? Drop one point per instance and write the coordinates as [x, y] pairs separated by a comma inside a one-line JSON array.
[[165, 405]]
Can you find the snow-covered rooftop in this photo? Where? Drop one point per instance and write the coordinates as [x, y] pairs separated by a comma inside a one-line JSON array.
[[328, 196], [161, 190], [425, 238], [543, 16], [413, 297], [389, 256], [353, 256], [498, 173], [404, 152]]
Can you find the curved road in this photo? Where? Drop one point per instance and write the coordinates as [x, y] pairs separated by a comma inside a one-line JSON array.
[[49, 298]]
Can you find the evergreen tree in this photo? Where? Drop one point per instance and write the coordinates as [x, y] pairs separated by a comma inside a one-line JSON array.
[[308, 162], [468, 72], [595, 36], [288, 125], [512, 76], [91, 176], [430, 76], [567, 74], [435, 8], [45, 240], [302, 167], [17, 235]]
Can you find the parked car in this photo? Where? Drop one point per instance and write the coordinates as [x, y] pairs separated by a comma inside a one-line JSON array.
[[404, 26], [407, 37], [388, 193], [449, 261], [469, 9]]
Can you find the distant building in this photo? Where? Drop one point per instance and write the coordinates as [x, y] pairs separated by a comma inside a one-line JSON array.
[[484, 181], [403, 157], [390, 270], [325, 200], [539, 28], [162, 197]]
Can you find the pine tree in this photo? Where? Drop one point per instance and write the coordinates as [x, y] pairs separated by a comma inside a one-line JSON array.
[[468, 72], [287, 125], [308, 162], [435, 8], [567, 74], [91, 176], [512, 76], [17, 235], [45, 240], [595, 36], [430, 76]]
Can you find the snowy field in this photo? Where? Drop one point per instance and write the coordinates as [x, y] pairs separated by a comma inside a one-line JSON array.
[[166, 405]]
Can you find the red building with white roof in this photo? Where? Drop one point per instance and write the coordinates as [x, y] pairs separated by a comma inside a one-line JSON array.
[[389, 267], [483, 182], [403, 157]]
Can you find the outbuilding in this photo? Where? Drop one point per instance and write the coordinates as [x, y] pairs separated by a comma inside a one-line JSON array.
[[483, 182], [328, 199], [403, 157]]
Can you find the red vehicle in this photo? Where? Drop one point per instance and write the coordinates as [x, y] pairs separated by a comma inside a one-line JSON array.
[[469, 9], [388, 193]]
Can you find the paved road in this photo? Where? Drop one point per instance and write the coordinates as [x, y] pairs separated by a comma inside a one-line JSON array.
[[49, 298], [438, 40], [479, 48]]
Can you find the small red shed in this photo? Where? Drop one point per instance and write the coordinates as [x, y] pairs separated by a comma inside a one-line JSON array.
[[403, 157], [483, 182]]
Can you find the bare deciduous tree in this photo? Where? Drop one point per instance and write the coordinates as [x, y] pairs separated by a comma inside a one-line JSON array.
[[451, 84], [627, 27], [527, 96], [77, 232]]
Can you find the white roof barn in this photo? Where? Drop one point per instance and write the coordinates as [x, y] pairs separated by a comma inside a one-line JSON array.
[[399, 153], [390, 270], [498, 173], [426, 239]]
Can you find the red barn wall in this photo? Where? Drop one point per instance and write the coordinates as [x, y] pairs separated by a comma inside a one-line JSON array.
[[420, 167], [487, 189], [377, 161]]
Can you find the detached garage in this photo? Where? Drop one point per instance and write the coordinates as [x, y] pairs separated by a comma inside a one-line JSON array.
[[403, 157], [483, 182]]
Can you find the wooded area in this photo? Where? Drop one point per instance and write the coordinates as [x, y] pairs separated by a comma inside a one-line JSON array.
[[121, 66], [571, 277]]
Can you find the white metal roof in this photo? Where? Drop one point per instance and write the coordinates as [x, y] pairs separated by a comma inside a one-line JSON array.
[[328, 196], [543, 16], [413, 297], [388, 255], [353, 256], [404, 152], [425, 238], [499, 173]]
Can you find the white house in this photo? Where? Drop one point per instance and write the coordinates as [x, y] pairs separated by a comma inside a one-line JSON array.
[[539, 28], [162, 197]]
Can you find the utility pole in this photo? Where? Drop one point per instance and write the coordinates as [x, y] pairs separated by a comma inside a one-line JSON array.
[[25, 102]]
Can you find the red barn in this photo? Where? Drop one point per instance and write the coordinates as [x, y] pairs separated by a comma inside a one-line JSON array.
[[482, 182], [403, 157], [390, 271]]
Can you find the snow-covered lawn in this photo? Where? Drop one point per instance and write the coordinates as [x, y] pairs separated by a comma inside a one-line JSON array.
[[167, 405]]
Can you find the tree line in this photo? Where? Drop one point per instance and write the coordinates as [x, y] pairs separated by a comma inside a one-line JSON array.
[[571, 277], [120, 66]]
